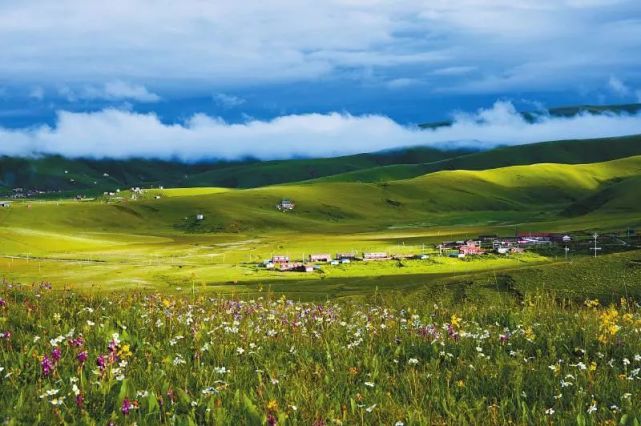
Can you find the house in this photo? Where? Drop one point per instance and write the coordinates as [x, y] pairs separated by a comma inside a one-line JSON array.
[[375, 256], [309, 268], [5, 204], [277, 260], [286, 205], [566, 239], [320, 257], [348, 256], [470, 248]]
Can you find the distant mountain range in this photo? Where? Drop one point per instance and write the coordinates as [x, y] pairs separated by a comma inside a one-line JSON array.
[[55, 174]]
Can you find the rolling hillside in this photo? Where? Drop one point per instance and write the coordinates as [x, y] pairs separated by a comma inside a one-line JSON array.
[[54, 173], [516, 193], [566, 152]]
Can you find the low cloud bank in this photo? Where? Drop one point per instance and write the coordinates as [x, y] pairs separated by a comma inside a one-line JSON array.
[[122, 134]]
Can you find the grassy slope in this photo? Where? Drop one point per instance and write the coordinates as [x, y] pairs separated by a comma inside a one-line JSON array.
[[567, 152], [48, 173], [540, 190]]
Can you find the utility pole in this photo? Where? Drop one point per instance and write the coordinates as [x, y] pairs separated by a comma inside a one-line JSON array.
[[595, 248]]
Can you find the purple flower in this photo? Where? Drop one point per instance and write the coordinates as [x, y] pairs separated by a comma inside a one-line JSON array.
[[47, 365], [6, 335], [3, 302], [82, 357], [126, 406], [503, 338], [77, 342], [101, 362], [80, 400], [56, 354]]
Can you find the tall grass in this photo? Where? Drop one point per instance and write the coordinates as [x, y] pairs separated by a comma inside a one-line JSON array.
[[150, 359]]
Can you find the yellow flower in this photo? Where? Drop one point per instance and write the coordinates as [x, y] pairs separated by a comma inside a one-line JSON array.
[[272, 405], [529, 333], [628, 318], [124, 351], [166, 303], [592, 303], [592, 366], [460, 384], [455, 321]]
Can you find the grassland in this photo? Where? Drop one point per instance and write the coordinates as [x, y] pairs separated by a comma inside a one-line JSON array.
[[129, 310], [151, 243]]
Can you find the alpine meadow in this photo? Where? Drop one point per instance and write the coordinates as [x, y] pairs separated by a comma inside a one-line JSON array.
[[320, 213]]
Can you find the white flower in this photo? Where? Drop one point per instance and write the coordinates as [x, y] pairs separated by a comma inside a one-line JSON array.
[[179, 360], [220, 370], [549, 411], [75, 390], [626, 361], [369, 384], [57, 401], [592, 408], [142, 394], [412, 361], [90, 323], [194, 403], [370, 408], [399, 423], [240, 351]]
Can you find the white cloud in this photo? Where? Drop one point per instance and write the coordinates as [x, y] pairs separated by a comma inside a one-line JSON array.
[[119, 134], [115, 90], [223, 43], [228, 101], [618, 87]]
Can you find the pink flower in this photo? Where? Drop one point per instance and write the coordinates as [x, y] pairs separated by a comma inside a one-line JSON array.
[[127, 406], [82, 357], [56, 354], [47, 365]]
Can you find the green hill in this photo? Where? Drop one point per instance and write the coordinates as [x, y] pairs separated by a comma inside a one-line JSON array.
[[516, 193], [566, 152], [56, 173]]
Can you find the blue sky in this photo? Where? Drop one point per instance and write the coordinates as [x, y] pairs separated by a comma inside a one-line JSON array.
[[263, 62]]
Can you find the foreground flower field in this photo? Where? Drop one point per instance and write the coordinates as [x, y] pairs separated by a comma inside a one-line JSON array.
[[150, 359]]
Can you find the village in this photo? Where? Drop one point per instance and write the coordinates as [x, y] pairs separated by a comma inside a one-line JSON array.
[[462, 249]]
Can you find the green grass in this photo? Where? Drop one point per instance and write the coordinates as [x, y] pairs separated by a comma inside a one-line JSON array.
[[523, 359]]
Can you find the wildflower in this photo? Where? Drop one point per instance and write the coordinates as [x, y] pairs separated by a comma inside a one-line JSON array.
[[412, 361], [124, 351], [592, 366], [504, 338], [56, 354], [3, 302], [240, 351], [592, 408], [369, 384], [5, 335], [455, 321], [101, 362], [272, 405], [126, 407], [220, 370], [549, 411], [57, 401], [82, 357], [80, 400], [56, 317], [370, 408], [47, 365]]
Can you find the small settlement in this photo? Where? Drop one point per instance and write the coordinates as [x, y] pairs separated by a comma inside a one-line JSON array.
[[484, 244]]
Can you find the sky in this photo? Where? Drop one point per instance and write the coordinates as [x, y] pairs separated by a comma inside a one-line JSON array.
[[218, 79]]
